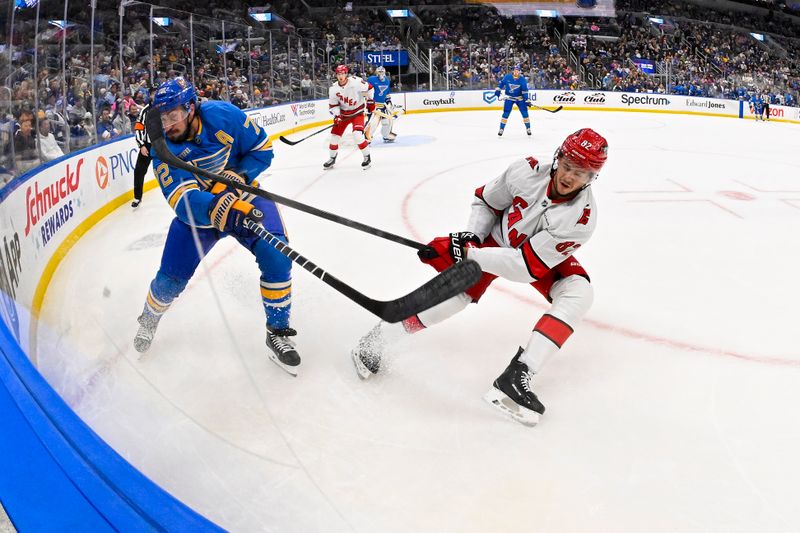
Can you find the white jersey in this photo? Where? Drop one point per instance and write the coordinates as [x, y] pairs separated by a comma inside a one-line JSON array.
[[534, 231], [349, 100]]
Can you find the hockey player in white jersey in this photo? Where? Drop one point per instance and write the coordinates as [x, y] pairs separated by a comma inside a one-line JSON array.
[[348, 98], [525, 226]]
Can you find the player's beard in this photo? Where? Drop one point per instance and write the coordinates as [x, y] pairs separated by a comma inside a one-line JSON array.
[[183, 137]]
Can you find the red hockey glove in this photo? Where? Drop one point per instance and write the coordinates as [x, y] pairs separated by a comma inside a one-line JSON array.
[[337, 119], [370, 106]]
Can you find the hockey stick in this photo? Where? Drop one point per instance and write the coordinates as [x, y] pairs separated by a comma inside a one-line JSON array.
[[292, 143], [455, 280], [530, 105], [156, 132], [556, 110]]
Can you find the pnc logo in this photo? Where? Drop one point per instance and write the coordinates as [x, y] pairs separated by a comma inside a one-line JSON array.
[[101, 172]]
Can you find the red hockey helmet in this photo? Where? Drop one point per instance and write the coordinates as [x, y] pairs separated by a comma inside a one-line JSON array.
[[342, 69], [587, 148]]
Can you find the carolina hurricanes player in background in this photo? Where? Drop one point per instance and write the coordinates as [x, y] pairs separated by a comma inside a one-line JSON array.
[[348, 98], [525, 226]]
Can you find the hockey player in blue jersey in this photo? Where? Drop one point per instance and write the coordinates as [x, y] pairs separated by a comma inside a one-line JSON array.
[[514, 89], [757, 106], [384, 110], [218, 137]]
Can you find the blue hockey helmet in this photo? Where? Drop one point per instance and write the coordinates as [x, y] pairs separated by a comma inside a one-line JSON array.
[[517, 67], [177, 95], [173, 93]]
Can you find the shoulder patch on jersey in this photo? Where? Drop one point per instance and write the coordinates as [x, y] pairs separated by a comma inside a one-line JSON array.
[[479, 194], [585, 216], [532, 162]]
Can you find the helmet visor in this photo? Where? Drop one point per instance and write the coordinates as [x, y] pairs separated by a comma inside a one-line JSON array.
[[174, 116], [575, 171]]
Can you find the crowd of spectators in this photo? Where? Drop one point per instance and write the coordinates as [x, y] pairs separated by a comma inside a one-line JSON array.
[[60, 107]]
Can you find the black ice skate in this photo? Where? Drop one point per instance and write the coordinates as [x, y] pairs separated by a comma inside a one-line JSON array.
[[282, 350], [500, 133], [528, 131], [329, 163], [365, 164], [148, 323], [367, 354], [512, 393]]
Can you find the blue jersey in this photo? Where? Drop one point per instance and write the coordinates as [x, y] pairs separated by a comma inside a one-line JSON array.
[[226, 139], [382, 89], [515, 88]]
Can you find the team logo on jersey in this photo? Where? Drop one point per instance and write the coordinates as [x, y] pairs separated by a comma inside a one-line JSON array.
[[513, 87], [585, 216]]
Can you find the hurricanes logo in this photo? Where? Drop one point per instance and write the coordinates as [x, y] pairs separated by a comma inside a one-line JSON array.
[[585, 217], [101, 172]]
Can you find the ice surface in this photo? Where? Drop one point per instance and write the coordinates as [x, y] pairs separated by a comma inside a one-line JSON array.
[[672, 409]]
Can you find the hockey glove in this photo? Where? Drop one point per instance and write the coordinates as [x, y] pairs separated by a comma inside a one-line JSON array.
[[337, 119], [388, 100], [228, 213], [459, 242], [370, 106], [497, 94]]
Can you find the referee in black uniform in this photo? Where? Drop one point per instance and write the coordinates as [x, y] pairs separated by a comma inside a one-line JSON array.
[[144, 158]]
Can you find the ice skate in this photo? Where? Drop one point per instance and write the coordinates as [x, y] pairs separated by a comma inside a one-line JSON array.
[[367, 354], [390, 138], [327, 165], [282, 350], [528, 131], [512, 394], [365, 164], [500, 133], [148, 323]]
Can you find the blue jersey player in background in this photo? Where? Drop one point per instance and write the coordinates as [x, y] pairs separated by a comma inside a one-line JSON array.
[[219, 137], [514, 88], [757, 106], [384, 110]]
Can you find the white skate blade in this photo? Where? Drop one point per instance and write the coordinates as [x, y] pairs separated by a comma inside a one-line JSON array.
[[361, 369], [291, 370], [508, 407]]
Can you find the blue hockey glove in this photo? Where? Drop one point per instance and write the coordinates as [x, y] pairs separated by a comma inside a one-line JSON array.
[[228, 213]]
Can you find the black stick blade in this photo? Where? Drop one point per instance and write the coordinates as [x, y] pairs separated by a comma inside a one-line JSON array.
[[153, 125], [287, 141], [455, 280]]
